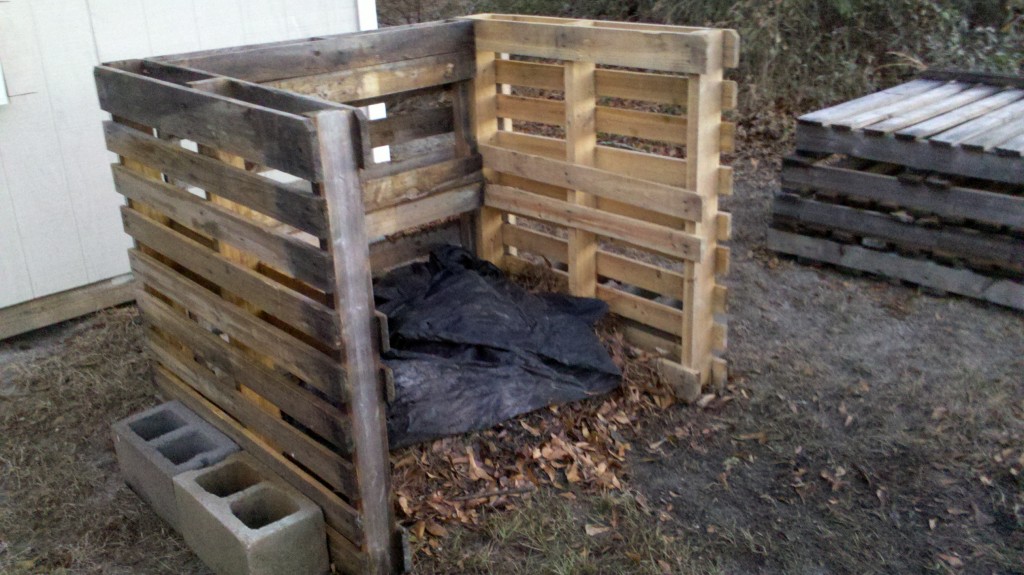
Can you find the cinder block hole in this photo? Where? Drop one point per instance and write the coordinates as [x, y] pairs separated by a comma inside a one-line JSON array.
[[186, 447], [156, 425], [231, 478], [263, 507]]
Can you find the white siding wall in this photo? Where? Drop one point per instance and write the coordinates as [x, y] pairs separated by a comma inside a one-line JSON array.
[[59, 221]]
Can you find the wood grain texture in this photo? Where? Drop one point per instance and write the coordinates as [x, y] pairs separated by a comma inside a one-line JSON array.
[[354, 304], [278, 139], [41, 312]]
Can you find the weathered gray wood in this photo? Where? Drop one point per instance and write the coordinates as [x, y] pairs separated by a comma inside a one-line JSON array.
[[355, 84], [914, 154], [846, 109], [960, 115], [990, 122], [353, 301], [319, 459], [400, 128], [408, 186], [922, 272], [900, 106], [292, 204], [233, 364], [277, 139], [288, 254], [978, 248], [952, 202], [918, 114], [295, 309], [1013, 148], [48, 310], [1009, 130], [393, 252], [292, 59], [313, 366]]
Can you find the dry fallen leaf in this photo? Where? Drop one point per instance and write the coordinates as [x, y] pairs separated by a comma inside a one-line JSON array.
[[595, 530], [952, 560], [436, 530]]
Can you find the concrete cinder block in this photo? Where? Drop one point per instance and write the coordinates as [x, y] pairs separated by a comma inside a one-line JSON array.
[[155, 445], [241, 519]]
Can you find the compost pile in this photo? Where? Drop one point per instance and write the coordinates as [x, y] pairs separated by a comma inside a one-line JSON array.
[[581, 445]]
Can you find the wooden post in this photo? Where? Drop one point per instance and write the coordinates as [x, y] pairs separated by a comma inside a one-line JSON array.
[[703, 147], [580, 146], [339, 145], [485, 125]]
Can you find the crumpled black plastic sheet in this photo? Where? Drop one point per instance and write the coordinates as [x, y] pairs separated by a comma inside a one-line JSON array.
[[471, 349]]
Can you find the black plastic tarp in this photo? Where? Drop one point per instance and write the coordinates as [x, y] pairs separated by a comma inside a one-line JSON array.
[[471, 349]]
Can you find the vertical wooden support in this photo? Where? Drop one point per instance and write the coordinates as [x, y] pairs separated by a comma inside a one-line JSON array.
[[581, 143], [339, 137], [465, 146], [485, 125], [703, 148]]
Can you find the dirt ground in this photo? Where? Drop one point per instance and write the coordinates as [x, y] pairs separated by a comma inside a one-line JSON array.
[[868, 428]]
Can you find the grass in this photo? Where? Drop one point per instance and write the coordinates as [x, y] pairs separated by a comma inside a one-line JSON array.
[[549, 535]]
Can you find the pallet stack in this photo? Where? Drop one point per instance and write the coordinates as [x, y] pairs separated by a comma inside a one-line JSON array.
[[923, 183]]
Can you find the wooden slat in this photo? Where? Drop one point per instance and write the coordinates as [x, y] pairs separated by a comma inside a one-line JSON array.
[[311, 365], [913, 154], [337, 514], [1011, 129], [423, 211], [291, 204], [393, 252], [658, 238], [346, 557], [959, 115], [642, 310], [983, 126], [952, 202], [318, 415], [656, 88], [909, 103], [296, 58], [1013, 148], [405, 186], [632, 123], [922, 272], [293, 308], [350, 254], [278, 139], [917, 115], [353, 84], [847, 109], [977, 248], [645, 194], [41, 312], [661, 169], [580, 120], [405, 127], [684, 52], [320, 460], [300, 259]]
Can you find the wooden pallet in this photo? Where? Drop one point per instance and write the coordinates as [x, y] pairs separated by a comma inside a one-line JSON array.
[[960, 124], [944, 232], [260, 216]]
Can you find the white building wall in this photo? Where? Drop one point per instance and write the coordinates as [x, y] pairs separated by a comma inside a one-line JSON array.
[[59, 222]]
